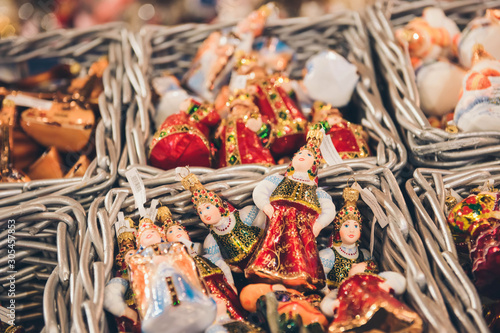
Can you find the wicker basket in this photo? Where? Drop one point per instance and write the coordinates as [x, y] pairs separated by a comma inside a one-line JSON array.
[[431, 147], [173, 48], [45, 267], [428, 190], [84, 46], [397, 247]]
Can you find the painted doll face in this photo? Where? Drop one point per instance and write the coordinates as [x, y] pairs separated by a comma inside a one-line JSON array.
[[209, 214], [303, 161], [150, 237], [349, 232], [176, 233]]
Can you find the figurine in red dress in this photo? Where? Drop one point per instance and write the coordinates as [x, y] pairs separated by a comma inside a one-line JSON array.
[[181, 141], [362, 299], [298, 210], [244, 136], [289, 124], [350, 140]]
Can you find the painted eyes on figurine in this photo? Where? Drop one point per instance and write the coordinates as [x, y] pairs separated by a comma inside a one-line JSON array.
[[283, 298]]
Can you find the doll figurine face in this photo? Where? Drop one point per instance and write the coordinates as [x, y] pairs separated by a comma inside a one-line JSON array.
[[209, 214], [176, 233], [150, 237], [349, 232], [303, 161]]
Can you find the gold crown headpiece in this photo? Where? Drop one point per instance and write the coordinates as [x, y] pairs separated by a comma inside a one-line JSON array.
[[349, 211], [201, 195], [164, 216]]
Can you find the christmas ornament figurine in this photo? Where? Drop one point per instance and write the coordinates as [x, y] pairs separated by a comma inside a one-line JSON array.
[[118, 297], [234, 233], [345, 255], [276, 106], [350, 140], [180, 141], [360, 298], [216, 276], [475, 225], [148, 234], [244, 136], [481, 30], [479, 105], [291, 304], [429, 36], [297, 210], [169, 292]]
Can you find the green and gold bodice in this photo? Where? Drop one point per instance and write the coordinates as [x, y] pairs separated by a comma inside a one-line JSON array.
[[239, 243], [297, 192], [206, 267], [341, 268]]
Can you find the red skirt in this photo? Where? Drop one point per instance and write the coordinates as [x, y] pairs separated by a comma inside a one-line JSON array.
[[288, 253], [218, 286]]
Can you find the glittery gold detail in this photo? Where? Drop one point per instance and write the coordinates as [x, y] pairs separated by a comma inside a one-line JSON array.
[[284, 124], [206, 267], [200, 195], [129, 297], [341, 268], [125, 236], [297, 192], [233, 156], [237, 245], [350, 195], [175, 129], [315, 136], [164, 216], [397, 319], [451, 129], [451, 202]]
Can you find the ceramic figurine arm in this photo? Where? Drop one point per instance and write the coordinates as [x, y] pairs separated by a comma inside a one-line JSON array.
[[218, 261], [329, 303], [211, 249], [395, 280], [366, 254], [264, 189], [114, 296], [251, 215], [327, 257], [327, 212]]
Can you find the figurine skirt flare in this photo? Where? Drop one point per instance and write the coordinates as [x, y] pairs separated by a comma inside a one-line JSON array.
[[288, 253]]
